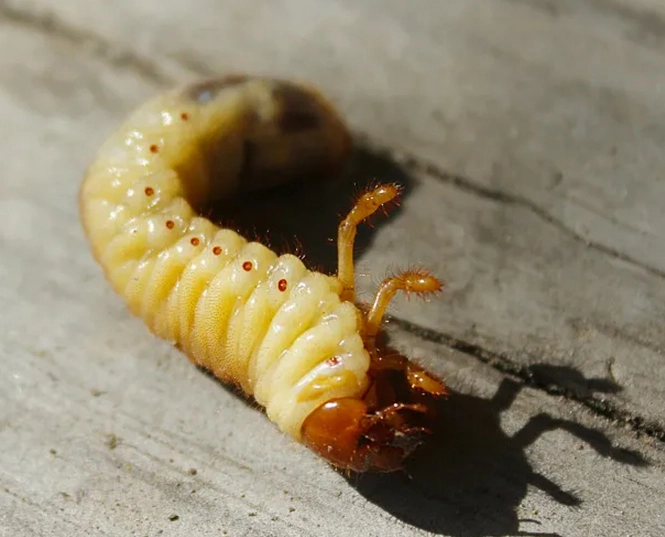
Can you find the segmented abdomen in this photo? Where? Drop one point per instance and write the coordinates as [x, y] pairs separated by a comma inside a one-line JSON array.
[[253, 318]]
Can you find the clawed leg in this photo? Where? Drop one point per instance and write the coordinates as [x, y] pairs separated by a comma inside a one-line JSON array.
[[365, 207], [409, 281]]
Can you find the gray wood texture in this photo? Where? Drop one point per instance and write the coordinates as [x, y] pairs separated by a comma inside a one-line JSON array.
[[529, 137]]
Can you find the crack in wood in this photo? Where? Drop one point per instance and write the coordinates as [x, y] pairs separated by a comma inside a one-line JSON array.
[[503, 364], [414, 163]]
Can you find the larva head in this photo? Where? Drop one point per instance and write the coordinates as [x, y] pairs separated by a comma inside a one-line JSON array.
[[378, 432]]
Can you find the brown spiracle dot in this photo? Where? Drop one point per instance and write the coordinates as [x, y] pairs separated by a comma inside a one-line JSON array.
[[195, 241], [247, 266], [281, 285], [184, 116], [170, 224], [333, 360], [149, 191], [154, 148], [216, 250]]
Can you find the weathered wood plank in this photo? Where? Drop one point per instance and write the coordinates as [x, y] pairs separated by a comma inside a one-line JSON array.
[[519, 149], [551, 115]]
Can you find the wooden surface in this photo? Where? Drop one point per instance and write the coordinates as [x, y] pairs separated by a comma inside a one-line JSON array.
[[529, 135]]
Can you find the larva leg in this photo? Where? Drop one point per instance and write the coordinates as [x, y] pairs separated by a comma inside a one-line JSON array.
[[409, 281], [365, 207]]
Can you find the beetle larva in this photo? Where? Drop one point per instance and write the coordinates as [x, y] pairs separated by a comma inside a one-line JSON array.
[[293, 339]]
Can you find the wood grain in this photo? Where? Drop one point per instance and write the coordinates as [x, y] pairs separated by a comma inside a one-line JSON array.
[[528, 135]]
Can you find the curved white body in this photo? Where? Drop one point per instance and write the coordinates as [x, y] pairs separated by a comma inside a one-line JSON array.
[[253, 318]]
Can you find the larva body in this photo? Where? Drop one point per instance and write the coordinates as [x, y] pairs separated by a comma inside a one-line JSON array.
[[291, 338]]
